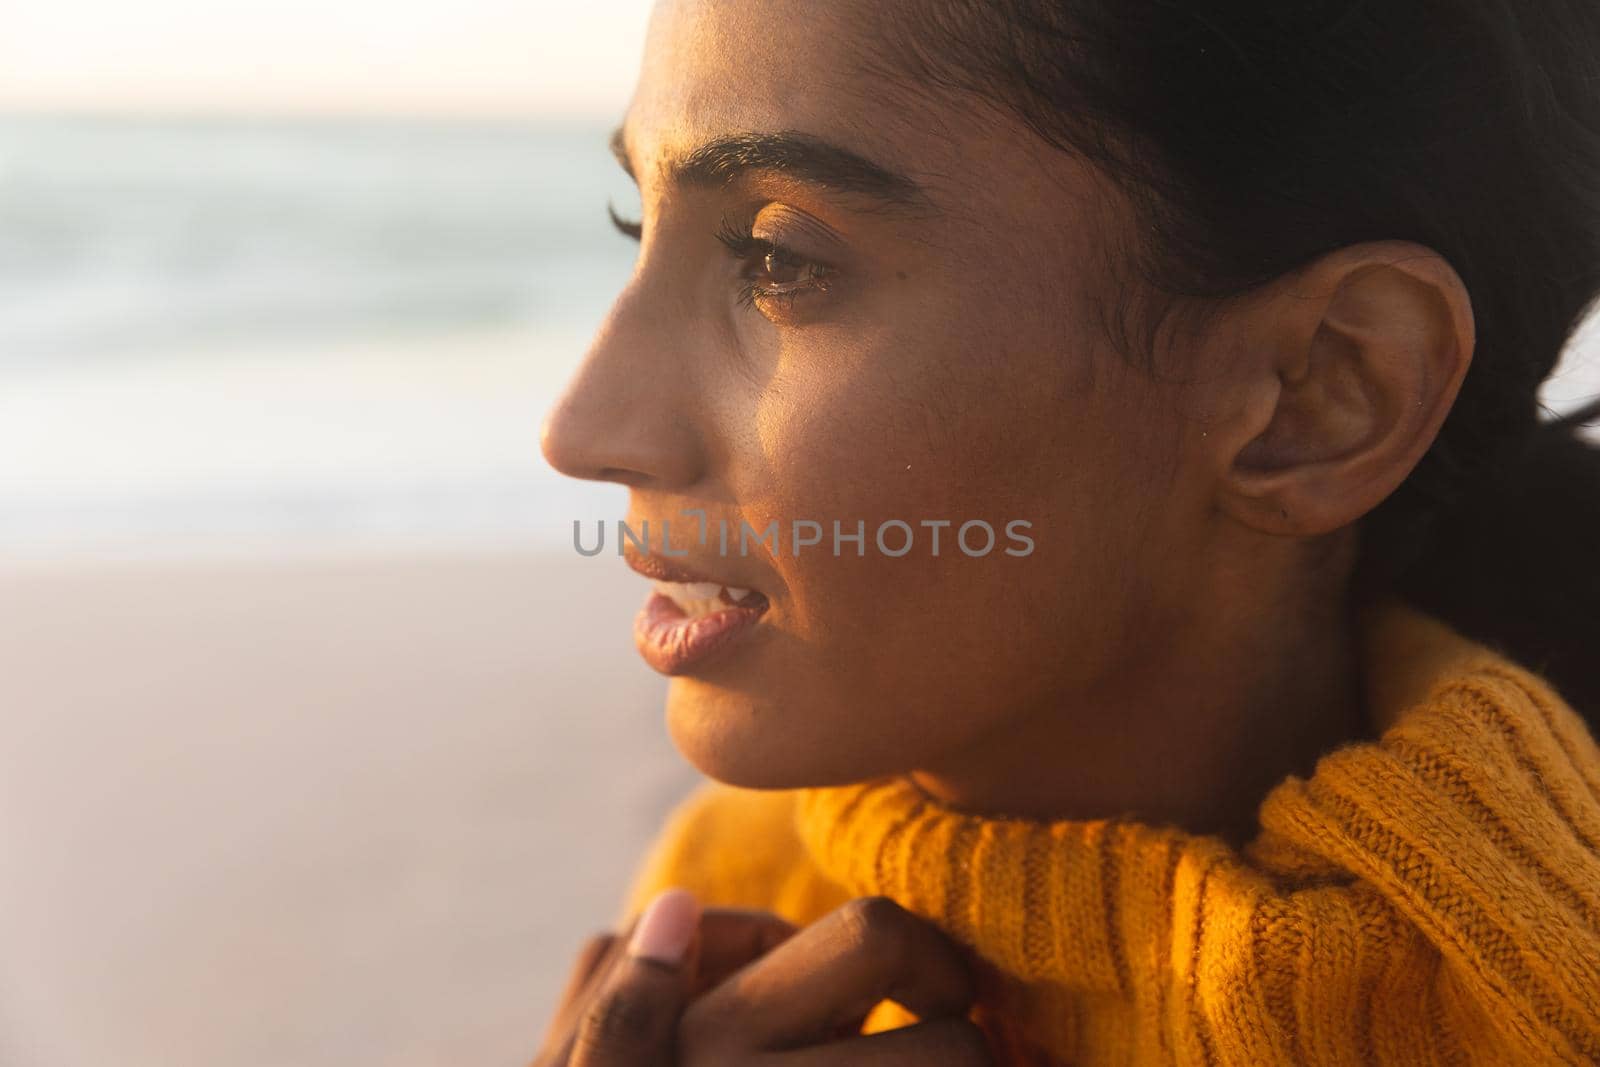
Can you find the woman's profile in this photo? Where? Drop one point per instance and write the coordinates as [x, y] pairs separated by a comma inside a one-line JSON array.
[[1109, 551]]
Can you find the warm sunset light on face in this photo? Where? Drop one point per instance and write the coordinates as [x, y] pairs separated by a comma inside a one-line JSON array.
[[954, 533]]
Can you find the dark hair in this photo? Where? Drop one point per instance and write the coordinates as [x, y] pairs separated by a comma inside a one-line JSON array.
[[1258, 135]]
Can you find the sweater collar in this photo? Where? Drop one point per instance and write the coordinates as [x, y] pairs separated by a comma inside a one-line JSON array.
[[1037, 898], [1398, 905]]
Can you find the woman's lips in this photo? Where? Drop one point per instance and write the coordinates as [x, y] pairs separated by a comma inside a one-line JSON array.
[[673, 642]]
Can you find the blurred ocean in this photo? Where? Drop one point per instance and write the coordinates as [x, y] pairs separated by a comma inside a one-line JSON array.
[[221, 332], [214, 330]]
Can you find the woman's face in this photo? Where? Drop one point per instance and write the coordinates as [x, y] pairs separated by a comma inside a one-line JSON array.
[[926, 343]]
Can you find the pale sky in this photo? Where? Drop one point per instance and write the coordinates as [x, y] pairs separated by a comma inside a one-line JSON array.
[[466, 57]]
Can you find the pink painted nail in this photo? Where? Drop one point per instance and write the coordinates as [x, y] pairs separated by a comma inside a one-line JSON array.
[[666, 927]]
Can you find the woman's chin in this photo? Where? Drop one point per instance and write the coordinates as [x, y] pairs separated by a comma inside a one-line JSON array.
[[754, 743]]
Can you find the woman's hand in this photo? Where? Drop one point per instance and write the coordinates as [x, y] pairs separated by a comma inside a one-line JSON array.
[[770, 996], [629, 989]]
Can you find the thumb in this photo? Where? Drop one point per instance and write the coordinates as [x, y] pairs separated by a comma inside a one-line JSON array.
[[633, 1019]]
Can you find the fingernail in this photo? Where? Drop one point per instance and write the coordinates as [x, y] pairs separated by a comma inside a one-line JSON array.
[[666, 927]]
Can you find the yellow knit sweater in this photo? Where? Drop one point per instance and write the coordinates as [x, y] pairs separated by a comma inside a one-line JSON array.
[[1432, 897]]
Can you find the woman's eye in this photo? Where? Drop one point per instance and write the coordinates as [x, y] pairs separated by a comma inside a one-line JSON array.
[[782, 269], [773, 277], [778, 269], [776, 278]]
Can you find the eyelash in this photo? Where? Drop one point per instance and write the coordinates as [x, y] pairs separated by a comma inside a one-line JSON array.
[[630, 229], [755, 252]]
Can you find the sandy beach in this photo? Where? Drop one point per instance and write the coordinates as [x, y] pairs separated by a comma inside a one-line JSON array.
[[315, 807]]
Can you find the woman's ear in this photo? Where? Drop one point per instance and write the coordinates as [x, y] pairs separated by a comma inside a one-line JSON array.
[[1364, 352]]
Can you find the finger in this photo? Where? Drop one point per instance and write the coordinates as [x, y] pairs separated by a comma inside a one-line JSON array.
[[944, 1043], [595, 952], [728, 939], [616, 945], [731, 938], [633, 1019], [832, 973]]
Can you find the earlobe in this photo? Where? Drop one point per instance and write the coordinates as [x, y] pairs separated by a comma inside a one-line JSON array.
[[1375, 340]]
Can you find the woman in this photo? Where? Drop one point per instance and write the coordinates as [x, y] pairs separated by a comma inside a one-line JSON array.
[[1250, 730]]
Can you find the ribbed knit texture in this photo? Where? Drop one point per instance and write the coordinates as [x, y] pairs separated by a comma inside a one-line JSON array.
[[1432, 897]]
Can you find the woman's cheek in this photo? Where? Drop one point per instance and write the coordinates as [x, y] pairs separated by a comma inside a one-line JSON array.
[[823, 426]]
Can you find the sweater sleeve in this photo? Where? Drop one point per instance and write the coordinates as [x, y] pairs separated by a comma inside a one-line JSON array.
[[1473, 831]]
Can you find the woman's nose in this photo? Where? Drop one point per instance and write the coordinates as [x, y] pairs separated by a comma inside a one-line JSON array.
[[622, 417]]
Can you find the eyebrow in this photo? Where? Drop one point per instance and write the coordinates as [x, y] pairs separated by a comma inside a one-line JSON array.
[[797, 155]]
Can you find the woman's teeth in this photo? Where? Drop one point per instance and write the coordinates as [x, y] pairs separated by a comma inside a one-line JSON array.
[[701, 598]]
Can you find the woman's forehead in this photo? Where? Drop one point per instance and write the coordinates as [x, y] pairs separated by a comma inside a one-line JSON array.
[[712, 67], [720, 69]]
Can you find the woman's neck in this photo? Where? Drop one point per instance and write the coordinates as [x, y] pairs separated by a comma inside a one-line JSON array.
[[1214, 709]]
